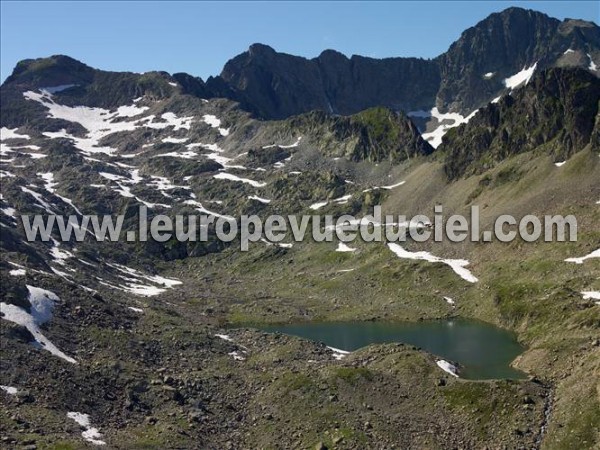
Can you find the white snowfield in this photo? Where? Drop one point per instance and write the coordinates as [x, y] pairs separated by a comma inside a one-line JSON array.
[[59, 256], [340, 201], [591, 295], [278, 244], [185, 155], [225, 337], [560, 163], [100, 122], [163, 184], [216, 155], [580, 260], [50, 184], [447, 367], [42, 304], [214, 122], [125, 191], [7, 133], [10, 390], [450, 301], [592, 65], [344, 248], [337, 353], [520, 77], [173, 140], [237, 355], [435, 137], [458, 265], [295, 144], [393, 186], [231, 177], [259, 199], [137, 282], [39, 199], [91, 434], [318, 205]]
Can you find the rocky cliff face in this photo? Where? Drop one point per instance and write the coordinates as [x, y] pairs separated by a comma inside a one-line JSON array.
[[273, 85], [474, 68], [556, 111], [469, 75], [375, 135], [276, 85]]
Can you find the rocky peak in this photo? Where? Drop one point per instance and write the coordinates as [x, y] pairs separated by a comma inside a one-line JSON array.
[[52, 71], [556, 112]]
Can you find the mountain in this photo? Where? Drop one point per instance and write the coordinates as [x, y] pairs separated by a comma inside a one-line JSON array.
[[276, 85], [557, 111], [158, 343], [474, 68], [470, 74]]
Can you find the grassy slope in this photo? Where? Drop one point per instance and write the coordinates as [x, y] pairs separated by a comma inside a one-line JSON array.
[[523, 286]]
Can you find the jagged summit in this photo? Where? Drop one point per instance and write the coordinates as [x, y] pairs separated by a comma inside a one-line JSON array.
[[135, 343], [474, 70]]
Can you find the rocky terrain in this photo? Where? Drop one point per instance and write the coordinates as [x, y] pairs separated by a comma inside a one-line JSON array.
[[149, 344], [466, 77]]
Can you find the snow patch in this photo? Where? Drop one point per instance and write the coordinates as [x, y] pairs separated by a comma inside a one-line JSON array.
[[450, 301], [447, 367], [592, 65], [137, 282], [580, 260], [435, 137], [295, 144], [458, 265], [174, 140], [318, 205], [7, 133], [236, 355], [42, 304], [392, 186], [521, 77], [214, 122], [588, 295], [340, 201], [225, 337], [259, 199], [338, 353], [91, 434], [100, 122], [559, 164], [231, 177], [9, 390], [344, 248]]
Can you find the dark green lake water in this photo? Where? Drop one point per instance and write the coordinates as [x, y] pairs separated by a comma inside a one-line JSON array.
[[484, 351]]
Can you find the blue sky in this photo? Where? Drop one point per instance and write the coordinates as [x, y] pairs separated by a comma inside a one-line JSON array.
[[199, 37]]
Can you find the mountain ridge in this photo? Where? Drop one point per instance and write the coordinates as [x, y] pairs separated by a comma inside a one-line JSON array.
[[274, 85], [159, 330]]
